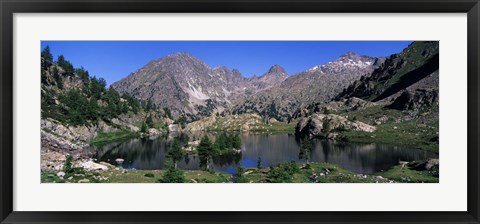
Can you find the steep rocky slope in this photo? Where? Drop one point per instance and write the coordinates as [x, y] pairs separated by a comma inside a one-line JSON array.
[[190, 88], [416, 66], [399, 99], [318, 84]]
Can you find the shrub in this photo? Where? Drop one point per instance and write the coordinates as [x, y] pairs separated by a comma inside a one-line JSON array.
[[326, 111], [259, 163], [68, 165], [172, 175], [149, 175], [282, 173], [239, 176], [326, 125], [149, 122]]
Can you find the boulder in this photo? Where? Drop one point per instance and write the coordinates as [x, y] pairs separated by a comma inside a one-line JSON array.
[[107, 164], [174, 128], [119, 161], [153, 132], [430, 164], [92, 166], [273, 120]]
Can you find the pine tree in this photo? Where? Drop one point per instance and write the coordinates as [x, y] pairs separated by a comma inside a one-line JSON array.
[[96, 87], [221, 142], [305, 149], [82, 73], [176, 153], [143, 128], [236, 142], [149, 121], [148, 107], [326, 125], [259, 163], [205, 152], [66, 65], [47, 58], [56, 76], [168, 113]]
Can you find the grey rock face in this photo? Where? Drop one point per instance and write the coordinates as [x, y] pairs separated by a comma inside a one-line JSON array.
[[275, 75], [188, 86], [417, 101], [419, 61], [326, 125], [318, 84]]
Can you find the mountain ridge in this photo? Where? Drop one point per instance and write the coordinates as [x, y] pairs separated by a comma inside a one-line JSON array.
[[193, 89]]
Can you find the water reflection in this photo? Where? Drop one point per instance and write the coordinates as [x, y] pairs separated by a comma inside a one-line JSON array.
[[272, 149]]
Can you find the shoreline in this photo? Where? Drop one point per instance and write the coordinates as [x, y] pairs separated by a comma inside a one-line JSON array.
[[306, 173]]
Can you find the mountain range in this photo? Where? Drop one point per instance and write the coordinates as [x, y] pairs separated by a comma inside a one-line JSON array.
[[192, 89]]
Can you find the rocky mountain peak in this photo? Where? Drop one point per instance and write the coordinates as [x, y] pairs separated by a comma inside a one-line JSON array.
[[221, 68], [236, 73], [276, 70], [350, 61], [349, 54], [182, 59], [180, 55], [352, 56]]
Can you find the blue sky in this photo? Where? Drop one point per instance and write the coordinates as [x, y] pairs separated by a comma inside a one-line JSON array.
[[113, 60]]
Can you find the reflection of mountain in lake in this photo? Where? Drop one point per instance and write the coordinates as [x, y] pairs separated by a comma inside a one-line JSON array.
[[364, 158], [272, 149]]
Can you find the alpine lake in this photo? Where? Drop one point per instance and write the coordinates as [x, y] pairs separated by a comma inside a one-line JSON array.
[[272, 149]]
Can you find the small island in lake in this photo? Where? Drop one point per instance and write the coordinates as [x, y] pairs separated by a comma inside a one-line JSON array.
[[337, 118]]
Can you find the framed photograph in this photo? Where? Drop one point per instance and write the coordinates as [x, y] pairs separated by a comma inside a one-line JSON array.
[[239, 111]]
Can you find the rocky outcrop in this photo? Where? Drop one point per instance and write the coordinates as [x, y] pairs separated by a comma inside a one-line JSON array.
[[242, 122], [174, 128], [51, 160], [354, 103], [153, 132], [80, 133], [430, 165], [52, 142], [201, 125], [327, 125], [54, 161], [416, 101], [88, 133]]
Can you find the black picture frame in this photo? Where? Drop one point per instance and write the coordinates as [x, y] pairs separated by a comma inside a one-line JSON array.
[[9, 7]]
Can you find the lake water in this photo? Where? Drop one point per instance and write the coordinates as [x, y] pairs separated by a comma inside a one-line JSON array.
[[146, 154]]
